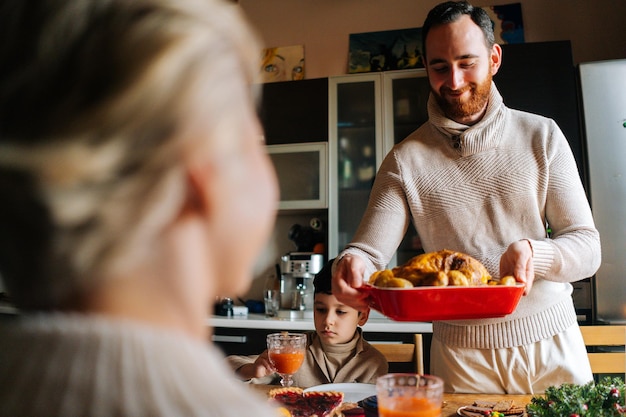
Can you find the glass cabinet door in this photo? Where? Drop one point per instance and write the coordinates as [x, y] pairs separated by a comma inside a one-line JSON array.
[[406, 98], [355, 140], [405, 103], [368, 114]]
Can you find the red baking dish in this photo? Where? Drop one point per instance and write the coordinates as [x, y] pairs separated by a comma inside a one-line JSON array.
[[444, 303]]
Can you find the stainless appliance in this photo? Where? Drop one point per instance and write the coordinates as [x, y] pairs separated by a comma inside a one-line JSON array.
[[603, 91], [296, 283]]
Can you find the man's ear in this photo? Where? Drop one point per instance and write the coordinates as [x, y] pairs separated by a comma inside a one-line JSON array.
[[496, 58], [363, 316]]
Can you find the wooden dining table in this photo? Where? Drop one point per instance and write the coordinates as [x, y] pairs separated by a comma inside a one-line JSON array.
[[452, 402]]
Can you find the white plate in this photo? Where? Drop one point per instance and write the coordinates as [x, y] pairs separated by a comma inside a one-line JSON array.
[[352, 392]]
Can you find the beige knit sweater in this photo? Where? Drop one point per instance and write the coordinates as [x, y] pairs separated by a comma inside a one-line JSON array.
[[476, 190]]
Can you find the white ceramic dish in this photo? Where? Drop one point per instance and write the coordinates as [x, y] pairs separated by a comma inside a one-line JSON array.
[[460, 412], [352, 392]]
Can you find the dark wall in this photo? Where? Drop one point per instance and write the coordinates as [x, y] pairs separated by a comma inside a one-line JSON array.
[[541, 78]]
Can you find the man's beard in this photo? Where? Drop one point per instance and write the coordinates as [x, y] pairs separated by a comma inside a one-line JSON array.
[[456, 109]]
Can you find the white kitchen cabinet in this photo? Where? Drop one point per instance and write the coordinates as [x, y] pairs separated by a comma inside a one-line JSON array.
[[368, 114], [302, 171]]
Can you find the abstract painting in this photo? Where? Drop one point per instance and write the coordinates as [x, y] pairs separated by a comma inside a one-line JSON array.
[[402, 49], [385, 50], [508, 26]]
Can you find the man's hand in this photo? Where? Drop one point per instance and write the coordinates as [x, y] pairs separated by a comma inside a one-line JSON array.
[[517, 260], [347, 277]]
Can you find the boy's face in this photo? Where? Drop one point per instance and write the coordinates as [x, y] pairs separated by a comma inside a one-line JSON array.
[[335, 322]]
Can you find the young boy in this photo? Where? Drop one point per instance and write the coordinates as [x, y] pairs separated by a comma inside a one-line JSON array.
[[336, 350]]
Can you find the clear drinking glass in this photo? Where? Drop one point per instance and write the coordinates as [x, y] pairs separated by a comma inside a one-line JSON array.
[[271, 298], [286, 353], [409, 395]]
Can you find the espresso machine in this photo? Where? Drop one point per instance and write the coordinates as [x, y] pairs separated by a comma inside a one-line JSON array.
[[298, 269], [296, 283]]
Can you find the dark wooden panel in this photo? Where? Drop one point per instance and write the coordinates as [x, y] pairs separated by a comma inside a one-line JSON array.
[[254, 343], [295, 111], [540, 77]]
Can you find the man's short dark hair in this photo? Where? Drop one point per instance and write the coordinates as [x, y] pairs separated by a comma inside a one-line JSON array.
[[451, 11]]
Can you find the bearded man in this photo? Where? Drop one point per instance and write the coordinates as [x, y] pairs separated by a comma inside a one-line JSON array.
[[483, 179]]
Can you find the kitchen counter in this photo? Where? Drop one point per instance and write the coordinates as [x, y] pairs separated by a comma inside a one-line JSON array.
[[376, 323]]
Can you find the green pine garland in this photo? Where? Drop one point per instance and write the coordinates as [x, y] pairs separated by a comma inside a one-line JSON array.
[[604, 399]]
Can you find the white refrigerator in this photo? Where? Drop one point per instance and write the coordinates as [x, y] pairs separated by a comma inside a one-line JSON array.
[[603, 95]]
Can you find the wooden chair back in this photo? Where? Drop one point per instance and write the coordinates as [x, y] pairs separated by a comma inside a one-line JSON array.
[[605, 362], [410, 353]]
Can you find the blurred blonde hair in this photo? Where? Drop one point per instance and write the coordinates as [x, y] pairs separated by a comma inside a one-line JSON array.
[[99, 103]]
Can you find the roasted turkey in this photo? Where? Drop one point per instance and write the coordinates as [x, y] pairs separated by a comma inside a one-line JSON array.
[[442, 268]]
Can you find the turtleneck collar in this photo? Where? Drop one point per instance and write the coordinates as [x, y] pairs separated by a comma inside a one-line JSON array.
[[342, 348], [468, 140]]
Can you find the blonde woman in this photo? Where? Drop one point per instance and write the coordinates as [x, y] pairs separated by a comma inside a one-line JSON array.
[[135, 189]]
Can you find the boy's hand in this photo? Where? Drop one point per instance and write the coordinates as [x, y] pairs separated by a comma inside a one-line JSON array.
[[260, 368]]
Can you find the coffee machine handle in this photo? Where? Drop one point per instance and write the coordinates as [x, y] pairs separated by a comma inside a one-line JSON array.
[[298, 302]]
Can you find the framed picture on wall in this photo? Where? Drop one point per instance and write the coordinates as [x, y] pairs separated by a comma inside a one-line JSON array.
[[284, 63], [508, 25], [385, 50]]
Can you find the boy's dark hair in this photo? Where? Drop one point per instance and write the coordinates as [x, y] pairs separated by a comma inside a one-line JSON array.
[[323, 279], [451, 11]]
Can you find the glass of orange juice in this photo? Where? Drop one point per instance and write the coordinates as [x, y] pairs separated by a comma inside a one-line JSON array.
[[409, 395], [286, 352]]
